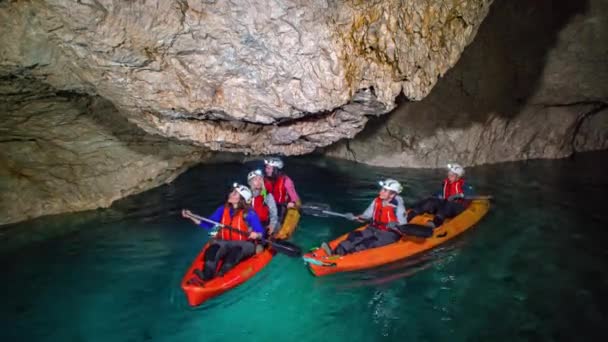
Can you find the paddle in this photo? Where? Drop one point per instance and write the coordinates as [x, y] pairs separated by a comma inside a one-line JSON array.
[[478, 197], [324, 210], [280, 246]]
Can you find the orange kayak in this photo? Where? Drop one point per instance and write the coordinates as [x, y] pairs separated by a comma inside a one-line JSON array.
[[198, 291], [320, 264]]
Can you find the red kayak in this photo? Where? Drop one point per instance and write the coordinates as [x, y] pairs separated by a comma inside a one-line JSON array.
[[197, 291]]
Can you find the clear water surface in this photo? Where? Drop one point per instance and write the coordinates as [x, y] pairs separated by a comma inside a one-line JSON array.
[[533, 269]]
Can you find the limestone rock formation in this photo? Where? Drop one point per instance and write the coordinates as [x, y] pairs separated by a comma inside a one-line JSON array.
[[533, 84], [62, 152], [256, 77]]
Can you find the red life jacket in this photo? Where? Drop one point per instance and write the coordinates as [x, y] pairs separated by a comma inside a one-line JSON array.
[[383, 214], [237, 221], [261, 208], [277, 189], [450, 189]]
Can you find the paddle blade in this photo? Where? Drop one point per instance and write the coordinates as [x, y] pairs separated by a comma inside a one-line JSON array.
[[416, 230], [287, 248], [315, 209]]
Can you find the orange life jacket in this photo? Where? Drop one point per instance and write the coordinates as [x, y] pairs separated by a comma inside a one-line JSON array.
[[261, 208], [383, 214], [237, 221], [277, 189]]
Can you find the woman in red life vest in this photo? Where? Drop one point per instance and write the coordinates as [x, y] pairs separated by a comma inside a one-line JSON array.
[[280, 186], [262, 202], [230, 246], [448, 203], [386, 212]]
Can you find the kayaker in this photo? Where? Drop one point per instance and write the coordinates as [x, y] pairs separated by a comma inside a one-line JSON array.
[[280, 186], [230, 246], [385, 212], [449, 202], [263, 202]]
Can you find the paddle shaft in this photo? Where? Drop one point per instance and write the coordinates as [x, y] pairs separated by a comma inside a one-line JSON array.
[[411, 232], [333, 213], [219, 224], [280, 246], [369, 221]]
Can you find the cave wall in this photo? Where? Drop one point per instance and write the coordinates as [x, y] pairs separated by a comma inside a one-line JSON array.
[[63, 152], [533, 84]]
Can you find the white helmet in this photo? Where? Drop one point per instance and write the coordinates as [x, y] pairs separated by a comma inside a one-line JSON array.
[[456, 169], [392, 185], [253, 174], [274, 162], [243, 191]]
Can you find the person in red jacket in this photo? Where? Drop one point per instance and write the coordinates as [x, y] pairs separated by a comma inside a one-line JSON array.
[[280, 186], [386, 212], [448, 203]]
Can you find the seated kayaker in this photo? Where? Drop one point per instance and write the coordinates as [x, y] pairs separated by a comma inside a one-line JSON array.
[[230, 246], [263, 203], [280, 186], [385, 213], [446, 204]]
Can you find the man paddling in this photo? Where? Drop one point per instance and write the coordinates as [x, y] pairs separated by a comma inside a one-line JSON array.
[[386, 212]]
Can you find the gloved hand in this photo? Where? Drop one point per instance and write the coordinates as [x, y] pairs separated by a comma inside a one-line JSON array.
[[213, 233], [254, 236]]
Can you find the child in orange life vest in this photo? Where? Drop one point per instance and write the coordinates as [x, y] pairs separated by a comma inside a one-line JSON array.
[[262, 202], [230, 246], [280, 186], [385, 212], [446, 204]]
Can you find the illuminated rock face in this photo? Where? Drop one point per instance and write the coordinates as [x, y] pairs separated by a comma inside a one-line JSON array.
[[533, 84], [261, 77]]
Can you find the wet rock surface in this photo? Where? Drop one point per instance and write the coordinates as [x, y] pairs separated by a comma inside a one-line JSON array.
[[534, 84]]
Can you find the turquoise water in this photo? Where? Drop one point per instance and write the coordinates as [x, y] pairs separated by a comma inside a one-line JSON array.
[[533, 269]]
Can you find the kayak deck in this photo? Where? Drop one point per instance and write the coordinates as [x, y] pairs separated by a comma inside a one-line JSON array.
[[197, 291], [320, 264]]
